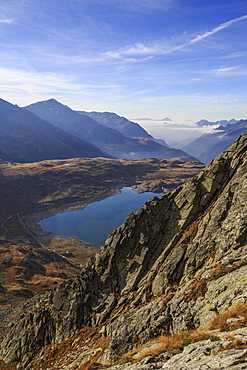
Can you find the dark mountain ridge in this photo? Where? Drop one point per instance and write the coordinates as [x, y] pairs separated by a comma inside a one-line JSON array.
[[122, 124], [176, 264], [70, 121], [110, 140], [27, 138]]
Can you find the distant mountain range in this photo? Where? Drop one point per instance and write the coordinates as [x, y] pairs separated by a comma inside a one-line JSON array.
[[51, 130], [204, 122], [154, 119], [109, 139], [208, 146], [27, 138], [122, 124]]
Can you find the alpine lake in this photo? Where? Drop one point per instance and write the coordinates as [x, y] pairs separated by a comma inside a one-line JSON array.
[[97, 220]]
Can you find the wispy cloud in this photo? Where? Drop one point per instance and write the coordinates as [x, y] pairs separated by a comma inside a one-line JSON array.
[[138, 49], [234, 55], [161, 48], [5, 20], [33, 83], [217, 29], [225, 70], [236, 71], [137, 5]]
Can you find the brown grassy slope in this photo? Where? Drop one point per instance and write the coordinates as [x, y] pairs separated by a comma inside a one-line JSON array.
[[26, 270]]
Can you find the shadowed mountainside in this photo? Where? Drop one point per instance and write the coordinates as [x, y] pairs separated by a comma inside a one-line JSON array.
[[122, 124], [110, 140], [28, 138]]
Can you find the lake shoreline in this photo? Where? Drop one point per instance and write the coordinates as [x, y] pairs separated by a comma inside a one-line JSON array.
[[96, 222], [103, 214], [32, 219]]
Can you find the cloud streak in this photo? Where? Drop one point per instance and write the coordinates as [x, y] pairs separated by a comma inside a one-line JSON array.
[[159, 48], [225, 70], [217, 29]]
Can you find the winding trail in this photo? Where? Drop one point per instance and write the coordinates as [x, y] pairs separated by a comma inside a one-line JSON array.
[[18, 217], [82, 204], [25, 228], [5, 228]]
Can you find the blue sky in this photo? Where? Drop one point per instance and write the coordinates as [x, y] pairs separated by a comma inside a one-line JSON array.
[[138, 58]]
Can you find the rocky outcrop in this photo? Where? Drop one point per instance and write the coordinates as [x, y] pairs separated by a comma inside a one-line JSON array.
[[206, 354], [173, 265]]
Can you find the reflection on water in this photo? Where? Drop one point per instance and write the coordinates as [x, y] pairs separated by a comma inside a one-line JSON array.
[[95, 222]]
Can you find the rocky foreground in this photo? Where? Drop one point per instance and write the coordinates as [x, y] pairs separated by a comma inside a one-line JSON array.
[[168, 290]]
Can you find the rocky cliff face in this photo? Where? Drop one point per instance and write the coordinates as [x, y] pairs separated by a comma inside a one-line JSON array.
[[172, 266]]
